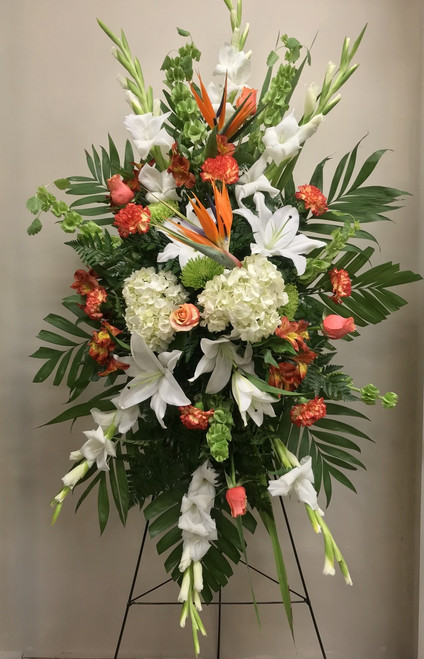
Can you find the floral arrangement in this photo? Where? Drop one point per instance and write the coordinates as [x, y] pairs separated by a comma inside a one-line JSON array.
[[206, 315]]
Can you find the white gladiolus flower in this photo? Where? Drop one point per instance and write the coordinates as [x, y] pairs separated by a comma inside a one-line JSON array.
[[96, 449], [299, 480], [285, 139], [152, 378], [219, 356], [123, 420], [248, 297], [251, 400], [146, 131], [198, 527], [254, 180], [160, 185], [235, 64], [276, 234], [150, 297]]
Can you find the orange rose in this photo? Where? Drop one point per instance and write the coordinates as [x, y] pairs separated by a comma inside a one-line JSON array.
[[335, 326], [184, 318], [120, 192], [237, 500]]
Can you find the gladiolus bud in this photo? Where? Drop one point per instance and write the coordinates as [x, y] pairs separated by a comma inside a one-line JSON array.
[[335, 326], [185, 587], [237, 500]]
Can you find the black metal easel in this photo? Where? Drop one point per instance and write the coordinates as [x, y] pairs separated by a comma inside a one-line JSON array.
[[302, 599]]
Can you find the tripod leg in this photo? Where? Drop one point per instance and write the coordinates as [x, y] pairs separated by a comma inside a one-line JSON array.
[[218, 652], [302, 578], [129, 602]]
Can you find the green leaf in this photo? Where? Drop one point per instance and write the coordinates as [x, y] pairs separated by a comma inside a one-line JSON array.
[[61, 369], [168, 540], [114, 157], [34, 205], [367, 168], [183, 33], [90, 164], [341, 455], [326, 480], [66, 325], [165, 520], [317, 178], [165, 500], [343, 410], [339, 426], [62, 183], [338, 440], [249, 522], [174, 558], [88, 489], [336, 178], [35, 227], [52, 337], [272, 59], [75, 366], [338, 475], [103, 502], [100, 401], [121, 507], [264, 386], [269, 523], [226, 529], [226, 547], [105, 165], [47, 368], [46, 353]]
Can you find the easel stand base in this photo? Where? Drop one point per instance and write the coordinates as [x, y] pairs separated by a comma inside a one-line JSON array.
[[297, 598]]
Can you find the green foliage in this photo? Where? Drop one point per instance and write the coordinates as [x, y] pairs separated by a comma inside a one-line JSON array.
[[329, 442]]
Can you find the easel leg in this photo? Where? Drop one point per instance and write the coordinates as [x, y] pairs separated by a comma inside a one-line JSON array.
[[129, 603], [302, 578]]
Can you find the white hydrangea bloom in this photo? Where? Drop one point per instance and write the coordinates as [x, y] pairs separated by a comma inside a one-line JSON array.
[[248, 298], [150, 297]]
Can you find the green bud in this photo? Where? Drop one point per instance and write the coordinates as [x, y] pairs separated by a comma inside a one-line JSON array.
[[389, 400], [90, 229], [369, 394], [59, 208]]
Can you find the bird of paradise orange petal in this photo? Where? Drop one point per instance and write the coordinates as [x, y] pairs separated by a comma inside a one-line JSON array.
[[217, 120], [215, 242]]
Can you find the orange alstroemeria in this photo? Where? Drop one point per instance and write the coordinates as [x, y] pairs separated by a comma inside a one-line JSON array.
[[294, 332]]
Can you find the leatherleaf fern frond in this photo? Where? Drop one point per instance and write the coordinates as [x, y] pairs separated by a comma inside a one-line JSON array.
[[93, 250]]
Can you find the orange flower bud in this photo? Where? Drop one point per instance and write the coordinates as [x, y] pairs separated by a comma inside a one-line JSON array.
[[335, 326], [120, 193], [237, 500]]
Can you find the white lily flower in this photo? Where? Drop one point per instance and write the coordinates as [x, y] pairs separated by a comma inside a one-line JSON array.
[[219, 356], [254, 180], [285, 139], [251, 400], [299, 480], [152, 378], [236, 64], [160, 185], [146, 131], [198, 527], [276, 234]]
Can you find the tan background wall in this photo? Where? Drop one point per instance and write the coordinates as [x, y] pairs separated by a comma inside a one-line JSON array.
[[63, 589]]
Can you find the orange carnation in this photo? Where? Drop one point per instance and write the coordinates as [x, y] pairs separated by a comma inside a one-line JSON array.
[[313, 199], [306, 414], [132, 219], [342, 286], [193, 418], [221, 168]]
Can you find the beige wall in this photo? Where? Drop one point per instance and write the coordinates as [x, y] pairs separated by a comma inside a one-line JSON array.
[[63, 588]]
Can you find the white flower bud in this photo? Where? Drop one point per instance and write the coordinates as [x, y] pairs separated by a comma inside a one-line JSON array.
[[311, 99], [329, 567], [331, 67], [185, 587], [198, 576], [72, 477], [122, 81], [133, 101], [197, 602]]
